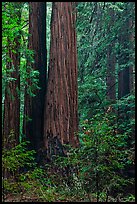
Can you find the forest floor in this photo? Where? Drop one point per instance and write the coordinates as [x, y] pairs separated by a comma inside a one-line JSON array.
[[11, 198], [27, 199]]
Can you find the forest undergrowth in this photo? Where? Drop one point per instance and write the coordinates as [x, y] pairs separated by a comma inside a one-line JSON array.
[[95, 171]]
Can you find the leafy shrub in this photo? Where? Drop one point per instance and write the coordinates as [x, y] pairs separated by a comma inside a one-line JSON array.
[[13, 160], [97, 167], [21, 176], [96, 171]]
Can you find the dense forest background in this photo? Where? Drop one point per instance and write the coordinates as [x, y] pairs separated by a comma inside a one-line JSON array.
[[68, 101]]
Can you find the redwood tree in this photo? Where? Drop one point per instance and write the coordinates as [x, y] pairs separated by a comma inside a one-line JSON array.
[[11, 116], [34, 106], [125, 85], [60, 118]]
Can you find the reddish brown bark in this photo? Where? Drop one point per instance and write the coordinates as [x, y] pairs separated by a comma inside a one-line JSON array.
[[11, 117], [61, 120], [34, 106]]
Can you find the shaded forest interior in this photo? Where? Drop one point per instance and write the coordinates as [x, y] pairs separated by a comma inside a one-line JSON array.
[[68, 101]]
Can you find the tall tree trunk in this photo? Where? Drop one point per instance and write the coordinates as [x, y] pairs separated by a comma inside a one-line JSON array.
[[126, 86], [131, 36], [61, 119], [34, 106], [125, 78], [123, 83], [11, 117]]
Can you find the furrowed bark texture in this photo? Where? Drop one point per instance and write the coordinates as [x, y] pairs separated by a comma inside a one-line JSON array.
[[11, 120], [11, 117], [34, 106], [61, 120]]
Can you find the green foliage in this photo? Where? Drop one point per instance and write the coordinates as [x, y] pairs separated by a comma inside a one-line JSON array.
[[106, 139], [36, 183], [15, 18], [104, 156], [17, 157], [12, 161], [96, 32], [96, 169], [22, 176], [48, 21], [129, 198]]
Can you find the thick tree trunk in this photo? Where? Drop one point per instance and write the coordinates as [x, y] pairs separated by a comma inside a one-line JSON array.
[[61, 119], [12, 105], [126, 86], [11, 117], [123, 86], [34, 106], [132, 50], [125, 78]]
